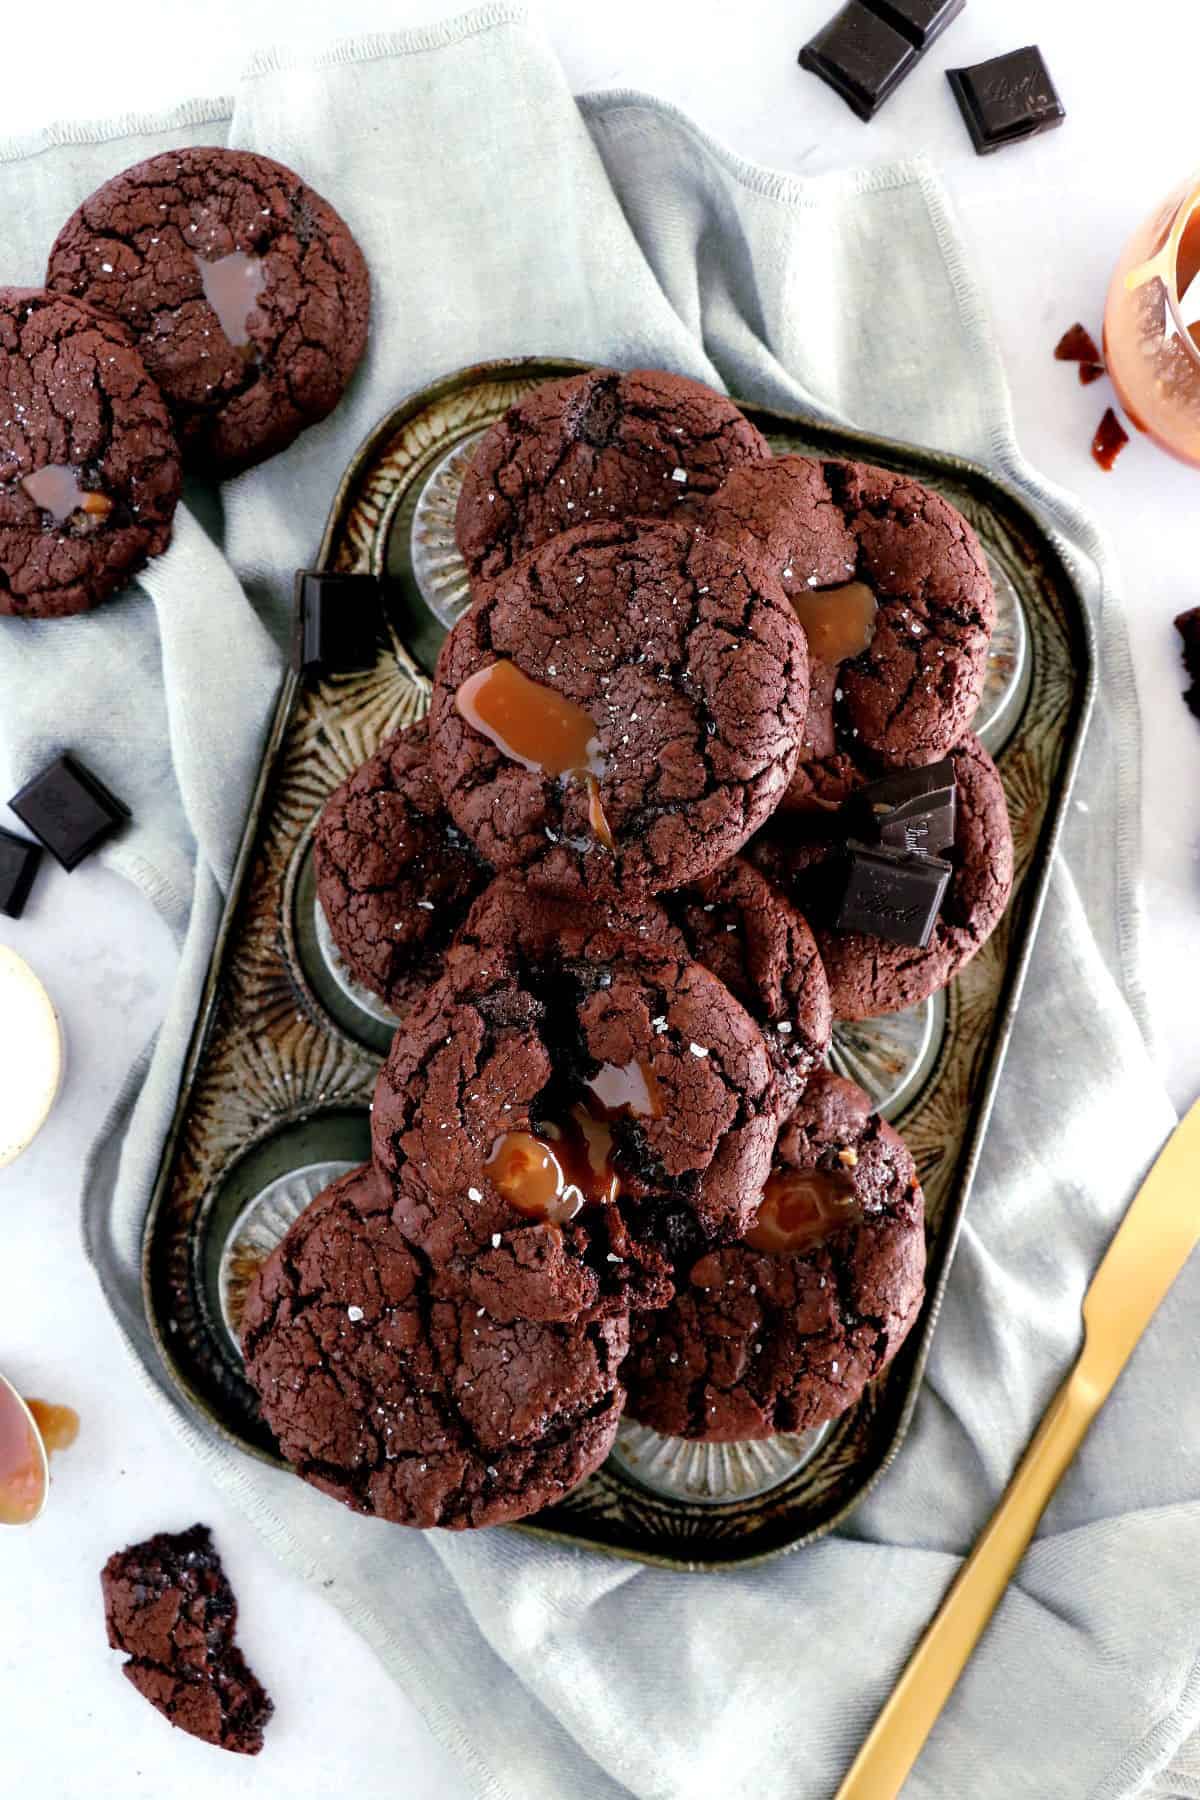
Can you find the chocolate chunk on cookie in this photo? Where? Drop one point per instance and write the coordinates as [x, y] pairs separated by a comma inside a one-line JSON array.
[[620, 710], [568, 1112], [89, 469], [395, 876], [169, 1606], [892, 588], [596, 446], [401, 1400], [784, 1330], [742, 928], [804, 853], [245, 291]]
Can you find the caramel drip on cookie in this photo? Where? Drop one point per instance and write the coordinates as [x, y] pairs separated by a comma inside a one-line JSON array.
[[55, 488], [553, 1174], [539, 728], [800, 1208], [623, 1088], [232, 286], [838, 622]]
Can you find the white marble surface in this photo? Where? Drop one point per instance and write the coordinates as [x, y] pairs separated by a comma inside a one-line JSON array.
[[1045, 222]]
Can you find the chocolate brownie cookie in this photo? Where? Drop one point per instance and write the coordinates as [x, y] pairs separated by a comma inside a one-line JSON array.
[[894, 593], [739, 925], [169, 1606], [403, 1401], [89, 469], [784, 1330], [566, 1113], [246, 293], [620, 710], [1188, 627], [394, 875], [597, 446], [803, 852]]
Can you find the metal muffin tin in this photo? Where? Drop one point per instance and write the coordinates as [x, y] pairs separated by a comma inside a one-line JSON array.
[[286, 1047]]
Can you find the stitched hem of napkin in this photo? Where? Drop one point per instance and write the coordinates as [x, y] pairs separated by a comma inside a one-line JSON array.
[[371, 46], [214, 111], [773, 184], [1154, 1753]]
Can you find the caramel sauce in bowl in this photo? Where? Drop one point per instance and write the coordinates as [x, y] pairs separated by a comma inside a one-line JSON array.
[[24, 1464]]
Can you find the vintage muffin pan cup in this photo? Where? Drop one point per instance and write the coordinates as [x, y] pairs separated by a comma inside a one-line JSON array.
[[712, 1474], [276, 1093]]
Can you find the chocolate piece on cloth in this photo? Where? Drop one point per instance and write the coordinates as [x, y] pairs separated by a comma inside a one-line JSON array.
[[892, 894], [69, 810], [1007, 99], [19, 861], [910, 809], [860, 57], [1188, 627], [337, 622], [920, 21]]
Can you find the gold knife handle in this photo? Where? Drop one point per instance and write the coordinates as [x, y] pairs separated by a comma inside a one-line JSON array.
[[882, 1765]]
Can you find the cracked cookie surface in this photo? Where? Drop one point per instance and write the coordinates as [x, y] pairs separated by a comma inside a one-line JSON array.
[[740, 926], [243, 377], [563, 1030], [395, 876], [802, 852], [400, 1399], [693, 675], [78, 409], [759, 1342], [169, 1606], [600, 445], [912, 693]]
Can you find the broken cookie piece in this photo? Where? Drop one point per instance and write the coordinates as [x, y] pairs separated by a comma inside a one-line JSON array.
[[169, 1606]]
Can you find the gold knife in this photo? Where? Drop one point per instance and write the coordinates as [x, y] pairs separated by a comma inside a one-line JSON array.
[[1152, 1244]]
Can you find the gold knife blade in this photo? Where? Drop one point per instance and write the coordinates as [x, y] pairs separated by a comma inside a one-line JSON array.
[[1153, 1241]]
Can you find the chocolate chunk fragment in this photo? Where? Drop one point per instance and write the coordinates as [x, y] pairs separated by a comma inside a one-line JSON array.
[[169, 1606], [1077, 345], [860, 57], [892, 894], [911, 809], [1110, 439], [920, 21], [69, 810], [19, 861], [1006, 99], [337, 622], [1188, 627]]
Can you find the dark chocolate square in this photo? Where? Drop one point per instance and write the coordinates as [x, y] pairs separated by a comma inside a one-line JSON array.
[[69, 810], [19, 861], [910, 809], [860, 57], [337, 622], [891, 894], [1007, 99], [920, 21]]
